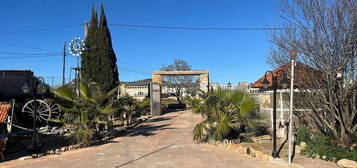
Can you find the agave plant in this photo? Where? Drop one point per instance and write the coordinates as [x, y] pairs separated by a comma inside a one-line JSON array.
[[86, 111], [223, 112]]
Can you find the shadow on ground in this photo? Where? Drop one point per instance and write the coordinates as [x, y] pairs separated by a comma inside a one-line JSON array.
[[172, 110], [21, 144], [150, 128], [55, 142]]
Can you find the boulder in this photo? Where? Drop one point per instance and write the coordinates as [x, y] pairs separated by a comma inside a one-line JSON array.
[[303, 145], [347, 163], [264, 138], [25, 158], [298, 149]]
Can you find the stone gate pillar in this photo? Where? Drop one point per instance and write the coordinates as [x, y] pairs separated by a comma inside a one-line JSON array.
[[155, 95], [204, 82], [157, 79], [155, 99]]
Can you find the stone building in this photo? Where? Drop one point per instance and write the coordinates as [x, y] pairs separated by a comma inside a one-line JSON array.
[[140, 89], [137, 89]]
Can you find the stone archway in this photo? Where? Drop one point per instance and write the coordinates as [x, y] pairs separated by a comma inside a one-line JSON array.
[[156, 86]]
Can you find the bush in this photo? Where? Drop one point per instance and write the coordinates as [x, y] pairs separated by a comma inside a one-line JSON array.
[[144, 106], [225, 113], [354, 139], [318, 144]]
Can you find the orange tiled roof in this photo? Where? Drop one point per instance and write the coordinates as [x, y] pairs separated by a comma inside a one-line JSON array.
[[4, 110], [303, 75]]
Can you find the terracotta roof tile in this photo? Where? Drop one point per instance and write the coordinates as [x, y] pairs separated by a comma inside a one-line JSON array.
[[303, 74]]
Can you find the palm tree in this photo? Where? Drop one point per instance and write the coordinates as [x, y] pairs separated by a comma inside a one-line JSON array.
[[224, 112], [85, 112]]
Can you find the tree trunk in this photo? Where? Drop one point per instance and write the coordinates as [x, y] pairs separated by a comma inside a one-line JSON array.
[[344, 139]]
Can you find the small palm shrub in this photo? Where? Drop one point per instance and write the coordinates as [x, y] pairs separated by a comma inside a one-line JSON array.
[[225, 114], [86, 112], [143, 107], [324, 146]]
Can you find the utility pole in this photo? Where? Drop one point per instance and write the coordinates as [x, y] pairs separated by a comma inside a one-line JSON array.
[[86, 24], [77, 81], [293, 58], [64, 65], [70, 75], [52, 80]]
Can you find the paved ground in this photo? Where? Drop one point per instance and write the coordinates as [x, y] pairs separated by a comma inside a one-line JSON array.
[[164, 141]]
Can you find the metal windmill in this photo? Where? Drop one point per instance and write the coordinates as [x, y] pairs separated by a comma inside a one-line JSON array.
[[76, 48]]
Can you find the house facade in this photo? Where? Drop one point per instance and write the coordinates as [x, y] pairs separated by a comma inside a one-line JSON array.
[[137, 89], [265, 96]]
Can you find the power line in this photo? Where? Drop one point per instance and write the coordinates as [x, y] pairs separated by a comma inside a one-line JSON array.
[[140, 65], [26, 55], [43, 29], [135, 71], [207, 28], [24, 44], [43, 54]]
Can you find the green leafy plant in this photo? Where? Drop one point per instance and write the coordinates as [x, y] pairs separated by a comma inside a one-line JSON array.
[[224, 112], [143, 106], [324, 146], [85, 112]]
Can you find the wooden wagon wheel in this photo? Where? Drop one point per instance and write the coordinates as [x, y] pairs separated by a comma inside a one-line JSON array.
[[43, 110], [56, 111]]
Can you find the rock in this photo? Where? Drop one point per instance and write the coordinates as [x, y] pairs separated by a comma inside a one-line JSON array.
[[317, 156], [26, 158], [264, 138], [347, 163], [298, 149], [303, 145], [41, 154], [333, 159], [250, 150], [63, 149], [236, 141], [57, 150], [324, 157]]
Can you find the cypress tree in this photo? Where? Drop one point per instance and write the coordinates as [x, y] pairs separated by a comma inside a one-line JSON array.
[[99, 60], [89, 54]]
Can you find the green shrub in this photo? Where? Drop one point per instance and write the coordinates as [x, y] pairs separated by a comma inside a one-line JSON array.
[[144, 106], [226, 114], [354, 139], [303, 134], [318, 144]]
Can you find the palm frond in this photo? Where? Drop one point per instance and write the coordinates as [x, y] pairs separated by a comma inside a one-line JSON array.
[[64, 93], [84, 89], [199, 132]]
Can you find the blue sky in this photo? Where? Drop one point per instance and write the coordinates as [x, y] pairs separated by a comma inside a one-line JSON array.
[[228, 55]]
